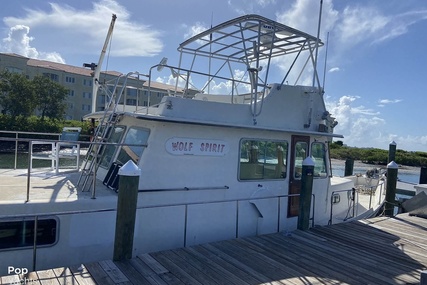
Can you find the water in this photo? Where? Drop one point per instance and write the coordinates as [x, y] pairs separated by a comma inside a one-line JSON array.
[[7, 160], [405, 173]]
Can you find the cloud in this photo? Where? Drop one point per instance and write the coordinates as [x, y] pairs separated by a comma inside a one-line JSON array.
[[359, 125], [389, 101], [83, 31], [18, 41], [383, 102], [368, 25], [334, 69]]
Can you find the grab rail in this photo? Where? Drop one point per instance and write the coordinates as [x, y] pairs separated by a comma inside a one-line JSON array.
[[37, 216]]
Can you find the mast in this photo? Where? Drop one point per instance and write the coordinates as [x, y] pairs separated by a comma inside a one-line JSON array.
[[97, 68]]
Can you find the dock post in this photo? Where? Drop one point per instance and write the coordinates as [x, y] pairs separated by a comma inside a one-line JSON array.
[[390, 195], [423, 175], [392, 152], [423, 279], [349, 164], [305, 195], [126, 210]]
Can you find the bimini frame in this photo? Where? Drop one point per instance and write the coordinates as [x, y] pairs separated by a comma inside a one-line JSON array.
[[251, 41]]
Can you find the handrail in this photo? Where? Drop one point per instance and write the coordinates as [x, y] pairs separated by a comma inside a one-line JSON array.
[[17, 140], [30, 141], [36, 216], [339, 191]]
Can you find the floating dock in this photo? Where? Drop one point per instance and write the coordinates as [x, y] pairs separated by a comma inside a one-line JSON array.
[[380, 250]]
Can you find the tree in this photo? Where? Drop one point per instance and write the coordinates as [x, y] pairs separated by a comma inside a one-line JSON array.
[[50, 97], [16, 95]]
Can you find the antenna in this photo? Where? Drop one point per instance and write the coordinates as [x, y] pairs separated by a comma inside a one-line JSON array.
[[317, 42], [326, 59]]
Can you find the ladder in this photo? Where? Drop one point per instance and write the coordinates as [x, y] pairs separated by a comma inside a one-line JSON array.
[[100, 136], [102, 132]]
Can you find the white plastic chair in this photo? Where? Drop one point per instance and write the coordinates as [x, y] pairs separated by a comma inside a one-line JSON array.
[[67, 147]]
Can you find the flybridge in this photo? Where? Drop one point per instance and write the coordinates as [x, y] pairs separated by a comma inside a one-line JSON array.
[[246, 44]]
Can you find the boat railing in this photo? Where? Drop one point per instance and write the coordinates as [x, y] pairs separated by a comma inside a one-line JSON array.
[[240, 91], [353, 196], [29, 142], [17, 136], [63, 213]]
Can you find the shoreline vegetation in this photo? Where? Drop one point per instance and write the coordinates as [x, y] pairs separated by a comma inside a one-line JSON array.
[[375, 156], [339, 151]]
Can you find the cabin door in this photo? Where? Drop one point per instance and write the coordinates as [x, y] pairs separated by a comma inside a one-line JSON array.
[[299, 151]]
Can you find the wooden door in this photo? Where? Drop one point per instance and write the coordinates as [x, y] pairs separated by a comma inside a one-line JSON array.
[[299, 151]]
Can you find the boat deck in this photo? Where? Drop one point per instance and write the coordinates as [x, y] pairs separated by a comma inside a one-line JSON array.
[[374, 251], [46, 185]]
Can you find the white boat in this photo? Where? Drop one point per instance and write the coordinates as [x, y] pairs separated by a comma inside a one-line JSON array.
[[212, 166]]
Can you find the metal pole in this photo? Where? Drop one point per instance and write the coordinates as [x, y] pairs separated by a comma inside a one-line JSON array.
[[35, 243], [30, 147], [16, 149]]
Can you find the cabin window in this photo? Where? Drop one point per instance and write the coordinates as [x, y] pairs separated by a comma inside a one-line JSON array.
[[115, 136], [301, 151], [20, 234], [136, 138], [318, 153], [263, 159]]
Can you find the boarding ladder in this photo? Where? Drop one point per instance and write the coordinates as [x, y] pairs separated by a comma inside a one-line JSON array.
[[101, 135]]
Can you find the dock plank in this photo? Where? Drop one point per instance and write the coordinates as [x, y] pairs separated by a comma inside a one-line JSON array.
[[99, 274], [47, 277], [380, 250], [113, 271], [64, 276]]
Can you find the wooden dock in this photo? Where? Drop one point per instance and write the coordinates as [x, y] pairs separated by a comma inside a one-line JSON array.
[[374, 251]]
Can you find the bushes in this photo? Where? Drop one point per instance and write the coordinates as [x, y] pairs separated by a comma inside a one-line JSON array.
[[34, 124], [378, 156]]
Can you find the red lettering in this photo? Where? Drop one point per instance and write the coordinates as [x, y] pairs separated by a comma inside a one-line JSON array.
[[214, 147], [202, 146], [190, 146]]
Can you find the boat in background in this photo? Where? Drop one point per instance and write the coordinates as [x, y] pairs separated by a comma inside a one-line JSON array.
[[212, 166]]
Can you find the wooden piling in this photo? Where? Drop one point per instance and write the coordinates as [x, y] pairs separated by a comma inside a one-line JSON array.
[[390, 195], [349, 164], [423, 175], [126, 211], [423, 279], [305, 195], [392, 152]]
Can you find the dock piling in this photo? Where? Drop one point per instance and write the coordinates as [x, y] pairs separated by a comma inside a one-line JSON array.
[[392, 152], [126, 211], [349, 164], [423, 175], [390, 195], [305, 196]]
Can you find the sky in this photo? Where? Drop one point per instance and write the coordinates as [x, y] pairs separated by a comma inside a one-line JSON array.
[[376, 60]]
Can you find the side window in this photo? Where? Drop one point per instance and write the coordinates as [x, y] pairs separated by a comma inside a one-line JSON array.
[[115, 136], [301, 152], [318, 152], [137, 139], [262, 159], [20, 234]]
